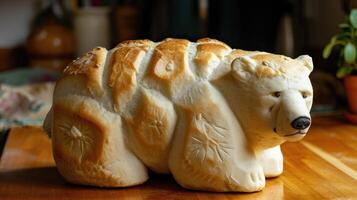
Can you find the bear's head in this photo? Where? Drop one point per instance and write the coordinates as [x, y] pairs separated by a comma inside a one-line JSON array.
[[275, 96]]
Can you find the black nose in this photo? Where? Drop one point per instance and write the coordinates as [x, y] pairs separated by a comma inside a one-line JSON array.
[[301, 123]]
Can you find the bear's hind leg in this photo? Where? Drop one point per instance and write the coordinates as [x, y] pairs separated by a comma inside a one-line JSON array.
[[89, 148]]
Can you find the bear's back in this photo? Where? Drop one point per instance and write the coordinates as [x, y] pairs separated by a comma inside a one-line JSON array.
[[167, 67]]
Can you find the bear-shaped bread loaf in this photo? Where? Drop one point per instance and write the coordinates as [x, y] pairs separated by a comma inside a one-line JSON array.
[[212, 116]]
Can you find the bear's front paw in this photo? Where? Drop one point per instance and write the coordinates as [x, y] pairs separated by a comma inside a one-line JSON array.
[[246, 178], [272, 167], [272, 163]]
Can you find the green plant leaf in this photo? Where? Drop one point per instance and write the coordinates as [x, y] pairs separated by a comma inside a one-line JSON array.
[[349, 53], [343, 36], [344, 25], [327, 50], [343, 71], [353, 18]]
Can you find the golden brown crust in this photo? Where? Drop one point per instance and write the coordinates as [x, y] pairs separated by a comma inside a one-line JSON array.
[[135, 43], [270, 65], [169, 62], [124, 65], [264, 71], [152, 129], [89, 147], [209, 55], [78, 135], [90, 66], [260, 58], [238, 53], [209, 40]]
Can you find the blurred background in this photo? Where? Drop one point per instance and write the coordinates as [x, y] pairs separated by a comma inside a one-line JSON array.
[[38, 38]]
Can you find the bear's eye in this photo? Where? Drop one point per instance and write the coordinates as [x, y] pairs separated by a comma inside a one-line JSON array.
[[276, 94], [304, 95]]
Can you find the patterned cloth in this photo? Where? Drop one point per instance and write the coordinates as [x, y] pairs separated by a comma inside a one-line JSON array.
[[24, 105], [26, 101]]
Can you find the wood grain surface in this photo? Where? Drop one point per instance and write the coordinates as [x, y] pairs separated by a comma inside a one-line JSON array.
[[322, 166]]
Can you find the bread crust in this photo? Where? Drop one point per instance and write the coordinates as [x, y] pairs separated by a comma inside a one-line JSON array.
[[124, 65], [152, 129], [209, 55], [91, 67], [168, 65], [87, 132]]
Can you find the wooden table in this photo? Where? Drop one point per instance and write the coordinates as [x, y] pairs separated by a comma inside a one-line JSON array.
[[322, 166]]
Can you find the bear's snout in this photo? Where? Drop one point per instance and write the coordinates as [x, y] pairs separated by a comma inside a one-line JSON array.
[[301, 123]]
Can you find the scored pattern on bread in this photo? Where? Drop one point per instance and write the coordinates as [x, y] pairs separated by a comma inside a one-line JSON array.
[[136, 43], [206, 140], [169, 60], [90, 66], [124, 65], [78, 134], [167, 69], [209, 55], [77, 137], [89, 145], [152, 129]]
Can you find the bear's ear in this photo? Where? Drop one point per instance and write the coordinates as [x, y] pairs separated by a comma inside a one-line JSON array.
[[243, 67], [306, 61]]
